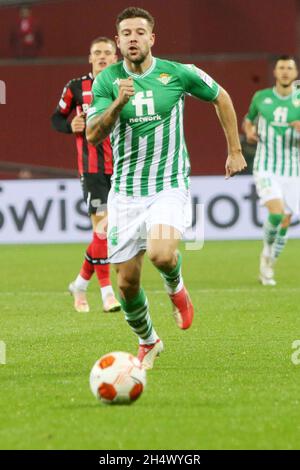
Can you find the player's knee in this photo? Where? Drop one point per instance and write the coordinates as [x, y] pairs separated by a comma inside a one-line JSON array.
[[128, 285], [161, 260]]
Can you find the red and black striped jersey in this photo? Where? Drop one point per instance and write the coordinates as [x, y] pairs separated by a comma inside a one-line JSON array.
[[77, 95]]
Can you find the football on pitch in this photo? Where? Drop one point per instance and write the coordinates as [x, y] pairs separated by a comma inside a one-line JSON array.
[[117, 377]]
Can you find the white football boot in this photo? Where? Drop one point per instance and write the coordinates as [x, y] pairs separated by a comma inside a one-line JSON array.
[[147, 353], [266, 275], [80, 301]]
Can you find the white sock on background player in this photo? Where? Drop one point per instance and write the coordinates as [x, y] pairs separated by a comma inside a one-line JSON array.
[[105, 291], [80, 283]]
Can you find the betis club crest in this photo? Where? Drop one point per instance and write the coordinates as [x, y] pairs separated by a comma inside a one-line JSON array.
[[164, 78]]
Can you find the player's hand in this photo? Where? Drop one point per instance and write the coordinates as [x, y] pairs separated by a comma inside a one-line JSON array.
[[234, 164], [295, 125], [126, 90], [78, 124], [251, 136]]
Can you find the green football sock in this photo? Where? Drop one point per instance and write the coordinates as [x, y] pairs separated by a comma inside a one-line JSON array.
[[173, 279], [283, 231], [279, 243], [271, 228], [137, 316]]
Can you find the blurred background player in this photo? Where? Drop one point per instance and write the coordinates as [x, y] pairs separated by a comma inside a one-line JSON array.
[[276, 163], [26, 37], [141, 100], [95, 170]]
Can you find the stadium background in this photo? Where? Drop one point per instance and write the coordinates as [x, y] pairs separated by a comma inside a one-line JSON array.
[[232, 380], [233, 40]]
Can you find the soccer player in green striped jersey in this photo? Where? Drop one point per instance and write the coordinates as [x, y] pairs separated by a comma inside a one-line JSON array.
[[273, 121], [139, 102]]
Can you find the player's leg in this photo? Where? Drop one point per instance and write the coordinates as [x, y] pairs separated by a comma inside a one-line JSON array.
[[97, 189], [126, 248], [101, 263], [170, 207], [79, 287], [135, 305], [271, 196], [291, 195], [276, 229], [281, 237], [271, 228], [272, 223], [163, 252]]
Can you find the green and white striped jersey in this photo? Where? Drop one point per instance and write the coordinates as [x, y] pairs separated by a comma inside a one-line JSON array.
[[277, 151], [149, 149]]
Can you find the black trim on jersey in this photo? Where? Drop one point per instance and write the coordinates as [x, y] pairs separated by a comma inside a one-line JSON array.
[[85, 151], [100, 158], [60, 123]]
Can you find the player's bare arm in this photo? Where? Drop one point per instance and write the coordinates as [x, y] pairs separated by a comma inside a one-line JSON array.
[[250, 131], [99, 128], [235, 161], [295, 125]]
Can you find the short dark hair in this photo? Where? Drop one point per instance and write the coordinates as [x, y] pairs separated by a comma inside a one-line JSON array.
[[135, 12], [285, 57], [103, 39]]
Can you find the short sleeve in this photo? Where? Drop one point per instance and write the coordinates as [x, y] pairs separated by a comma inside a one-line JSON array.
[[102, 96], [253, 109], [198, 83]]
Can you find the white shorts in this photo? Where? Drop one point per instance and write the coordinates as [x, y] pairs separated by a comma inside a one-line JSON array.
[[130, 219], [287, 189]]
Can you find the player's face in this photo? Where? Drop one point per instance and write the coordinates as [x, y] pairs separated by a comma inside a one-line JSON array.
[[285, 72], [135, 39], [25, 12], [102, 55]]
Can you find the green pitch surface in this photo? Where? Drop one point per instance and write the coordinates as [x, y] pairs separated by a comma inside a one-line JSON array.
[[228, 382]]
